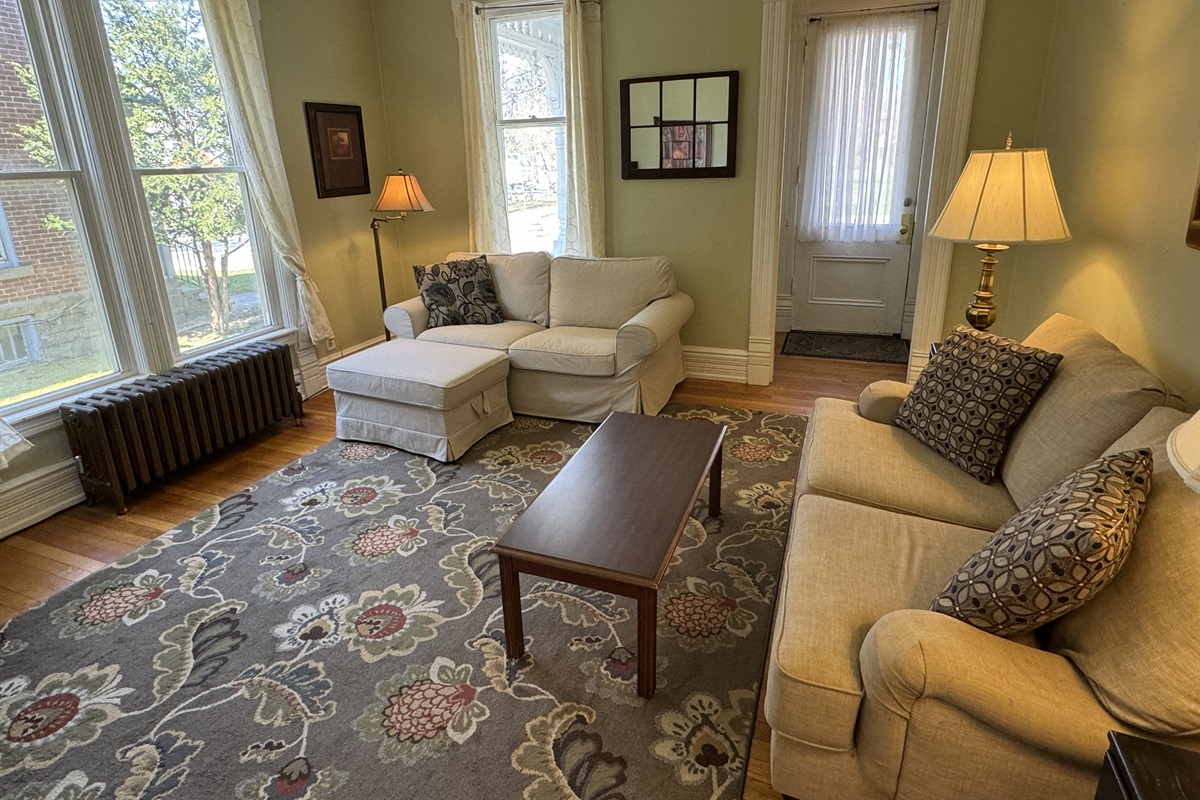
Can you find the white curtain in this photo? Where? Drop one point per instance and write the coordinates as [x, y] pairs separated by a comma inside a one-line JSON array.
[[234, 41], [486, 205], [860, 125], [12, 444], [585, 130]]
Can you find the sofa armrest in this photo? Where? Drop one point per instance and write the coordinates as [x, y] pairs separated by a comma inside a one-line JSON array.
[[881, 400], [408, 319], [1025, 693], [651, 328]]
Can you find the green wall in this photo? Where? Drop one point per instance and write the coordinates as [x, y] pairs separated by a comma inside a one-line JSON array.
[[1008, 88], [324, 52], [703, 226], [1121, 118]]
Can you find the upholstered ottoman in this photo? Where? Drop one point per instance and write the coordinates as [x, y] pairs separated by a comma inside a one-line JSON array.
[[424, 397]]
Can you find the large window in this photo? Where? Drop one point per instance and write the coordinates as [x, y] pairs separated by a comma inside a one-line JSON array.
[[527, 52], [86, 277]]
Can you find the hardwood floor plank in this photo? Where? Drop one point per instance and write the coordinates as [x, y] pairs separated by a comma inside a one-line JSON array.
[[49, 556]]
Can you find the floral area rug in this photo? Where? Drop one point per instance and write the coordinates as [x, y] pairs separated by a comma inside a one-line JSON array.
[[335, 631]]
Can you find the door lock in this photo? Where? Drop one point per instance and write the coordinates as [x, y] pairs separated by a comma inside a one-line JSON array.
[[906, 229]]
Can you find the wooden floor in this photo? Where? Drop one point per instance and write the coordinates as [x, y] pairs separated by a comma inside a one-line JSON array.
[[50, 556]]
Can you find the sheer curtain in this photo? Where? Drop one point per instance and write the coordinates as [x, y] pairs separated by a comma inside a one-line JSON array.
[[234, 41], [585, 132], [860, 125], [12, 444], [486, 206]]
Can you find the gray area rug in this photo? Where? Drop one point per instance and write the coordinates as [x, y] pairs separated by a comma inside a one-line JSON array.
[[850, 346], [335, 631]]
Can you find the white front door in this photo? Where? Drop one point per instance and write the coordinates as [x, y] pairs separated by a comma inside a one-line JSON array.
[[866, 93]]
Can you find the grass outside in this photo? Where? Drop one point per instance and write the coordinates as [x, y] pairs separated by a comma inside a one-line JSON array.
[[43, 377]]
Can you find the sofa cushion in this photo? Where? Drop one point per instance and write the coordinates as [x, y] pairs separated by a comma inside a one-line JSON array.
[[971, 394], [494, 337], [855, 459], [605, 292], [1097, 394], [1136, 642], [567, 349], [1055, 554], [522, 283], [846, 567], [418, 373], [458, 293]]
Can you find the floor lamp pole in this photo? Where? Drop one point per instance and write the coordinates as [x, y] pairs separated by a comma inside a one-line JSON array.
[[375, 223]]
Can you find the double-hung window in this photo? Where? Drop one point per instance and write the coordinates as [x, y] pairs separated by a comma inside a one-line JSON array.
[[102, 100], [530, 97]]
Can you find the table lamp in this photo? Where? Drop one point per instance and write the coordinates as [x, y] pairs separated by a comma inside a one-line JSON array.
[[1003, 197], [400, 194], [1183, 448]]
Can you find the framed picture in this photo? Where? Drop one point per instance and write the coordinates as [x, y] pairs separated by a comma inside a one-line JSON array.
[[1193, 231], [339, 152]]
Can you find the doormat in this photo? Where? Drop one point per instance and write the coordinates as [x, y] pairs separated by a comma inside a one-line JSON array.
[[850, 346]]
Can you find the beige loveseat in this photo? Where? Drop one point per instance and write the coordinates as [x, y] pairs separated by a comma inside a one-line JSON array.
[[584, 336], [869, 695]]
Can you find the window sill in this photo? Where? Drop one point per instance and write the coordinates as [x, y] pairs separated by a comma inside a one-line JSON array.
[[15, 271], [45, 416]]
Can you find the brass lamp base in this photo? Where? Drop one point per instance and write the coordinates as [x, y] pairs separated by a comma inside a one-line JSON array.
[[982, 312]]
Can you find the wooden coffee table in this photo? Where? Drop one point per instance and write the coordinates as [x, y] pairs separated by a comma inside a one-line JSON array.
[[611, 518]]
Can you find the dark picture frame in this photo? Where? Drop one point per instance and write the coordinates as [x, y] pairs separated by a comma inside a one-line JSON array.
[[682, 141], [339, 150], [1193, 229]]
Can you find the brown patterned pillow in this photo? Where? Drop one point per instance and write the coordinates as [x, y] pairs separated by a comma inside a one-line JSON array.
[[1054, 555], [971, 394], [459, 293]]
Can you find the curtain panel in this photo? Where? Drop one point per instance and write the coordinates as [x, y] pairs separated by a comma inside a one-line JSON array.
[[234, 41], [860, 126]]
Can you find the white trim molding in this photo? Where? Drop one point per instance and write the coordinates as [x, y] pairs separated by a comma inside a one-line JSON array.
[[963, 34], [716, 363], [40, 494], [783, 312], [768, 184]]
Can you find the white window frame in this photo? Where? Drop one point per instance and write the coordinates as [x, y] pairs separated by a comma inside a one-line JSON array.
[[496, 13], [79, 91]]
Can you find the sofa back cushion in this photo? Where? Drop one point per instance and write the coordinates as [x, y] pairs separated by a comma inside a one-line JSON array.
[[605, 292], [522, 282], [1096, 395], [1135, 641]]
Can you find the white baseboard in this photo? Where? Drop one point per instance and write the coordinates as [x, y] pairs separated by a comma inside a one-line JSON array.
[[783, 312], [38, 495], [716, 363], [312, 372]]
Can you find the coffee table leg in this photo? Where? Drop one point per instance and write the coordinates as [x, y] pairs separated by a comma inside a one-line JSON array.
[[714, 486], [647, 625], [510, 597]]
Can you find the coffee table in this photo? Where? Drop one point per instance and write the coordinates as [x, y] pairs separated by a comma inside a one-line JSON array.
[[611, 518]]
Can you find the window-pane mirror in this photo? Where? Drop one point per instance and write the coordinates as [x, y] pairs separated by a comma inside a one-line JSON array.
[[679, 126]]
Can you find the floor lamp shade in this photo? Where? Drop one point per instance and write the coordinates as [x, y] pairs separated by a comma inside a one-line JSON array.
[[402, 193], [1005, 197]]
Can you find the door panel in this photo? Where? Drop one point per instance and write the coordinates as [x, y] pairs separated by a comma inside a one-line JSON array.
[[850, 287], [857, 286]]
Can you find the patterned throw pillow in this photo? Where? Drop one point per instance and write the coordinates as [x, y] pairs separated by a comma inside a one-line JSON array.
[[459, 293], [1057, 553], [971, 394]]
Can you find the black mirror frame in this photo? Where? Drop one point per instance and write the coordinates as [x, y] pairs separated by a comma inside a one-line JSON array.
[[629, 172]]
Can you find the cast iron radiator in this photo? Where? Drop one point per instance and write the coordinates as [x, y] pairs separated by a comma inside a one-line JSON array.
[[127, 436]]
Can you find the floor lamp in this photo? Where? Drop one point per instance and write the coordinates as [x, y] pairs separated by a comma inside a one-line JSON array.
[[1003, 197], [400, 194]]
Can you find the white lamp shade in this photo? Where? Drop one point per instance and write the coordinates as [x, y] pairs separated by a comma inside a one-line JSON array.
[[1004, 197], [1183, 448], [402, 193]]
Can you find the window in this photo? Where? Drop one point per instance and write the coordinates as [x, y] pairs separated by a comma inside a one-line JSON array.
[[192, 185], [46, 235], [98, 276], [19, 343], [527, 53]]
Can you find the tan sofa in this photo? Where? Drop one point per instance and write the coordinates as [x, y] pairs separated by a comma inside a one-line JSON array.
[[869, 695], [584, 336]]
